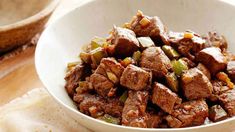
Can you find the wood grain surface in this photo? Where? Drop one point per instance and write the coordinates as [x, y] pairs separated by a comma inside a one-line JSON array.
[[17, 72]]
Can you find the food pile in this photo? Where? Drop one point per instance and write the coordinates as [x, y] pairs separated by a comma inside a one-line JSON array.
[[144, 75]]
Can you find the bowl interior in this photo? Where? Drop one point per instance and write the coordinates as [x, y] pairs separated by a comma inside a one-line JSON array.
[[12, 11], [62, 41]]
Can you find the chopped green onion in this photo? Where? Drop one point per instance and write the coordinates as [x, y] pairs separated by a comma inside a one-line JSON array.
[[124, 97], [71, 65], [127, 61], [110, 119], [98, 42], [179, 66], [172, 82], [145, 42], [97, 54], [136, 56], [170, 52], [85, 57]]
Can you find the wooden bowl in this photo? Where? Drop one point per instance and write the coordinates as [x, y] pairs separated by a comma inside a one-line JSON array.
[[22, 19]]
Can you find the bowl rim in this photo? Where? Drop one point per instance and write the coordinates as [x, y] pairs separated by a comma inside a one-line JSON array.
[[77, 112], [32, 19]]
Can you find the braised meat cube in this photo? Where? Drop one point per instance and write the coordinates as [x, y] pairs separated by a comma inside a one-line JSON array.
[[84, 86], [125, 41], [153, 119], [135, 78], [213, 59], [90, 104], [153, 27], [133, 113], [204, 70], [227, 100], [96, 105], [188, 43], [216, 40], [231, 70], [154, 58], [219, 87], [111, 69], [191, 113], [101, 84], [106, 76], [217, 113], [164, 97], [195, 84], [72, 79], [114, 107], [173, 122]]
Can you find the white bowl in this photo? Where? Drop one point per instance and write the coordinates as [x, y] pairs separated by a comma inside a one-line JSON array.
[[61, 43]]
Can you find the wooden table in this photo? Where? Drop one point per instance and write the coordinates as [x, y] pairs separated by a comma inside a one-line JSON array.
[[17, 73]]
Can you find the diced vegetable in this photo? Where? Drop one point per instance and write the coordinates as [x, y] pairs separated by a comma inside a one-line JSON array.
[[124, 97], [127, 61], [224, 77], [145, 42], [110, 119], [188, 35], [172, 82], [85, 57], [97, 54], [179, 66], [127, 25], [71, 65], [144, 22], [170, 52], [136, 56], [98, 42], [112, 77]]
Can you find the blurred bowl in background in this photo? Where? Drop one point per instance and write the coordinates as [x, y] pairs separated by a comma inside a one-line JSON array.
[[21, 20]]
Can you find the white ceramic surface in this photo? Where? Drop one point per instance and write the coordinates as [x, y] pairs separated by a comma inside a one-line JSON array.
[[61, 42]]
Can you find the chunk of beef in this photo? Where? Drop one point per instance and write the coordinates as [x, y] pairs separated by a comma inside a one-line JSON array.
[[106, 76], [219, 87], [231, 70], [164, 97], [191, 113], [173, 122], [213, 59], [195, 84], [125, 41], [204, 70], [154, 58], [134, 109], [84, 86], [227, 100], [216, 40], [114, 107], [72, 79], [101, 84], [111, 69], [153, 27], [187, 44], [135, 78], [90, 104], [96, 105], [153, 119], [217, 113]]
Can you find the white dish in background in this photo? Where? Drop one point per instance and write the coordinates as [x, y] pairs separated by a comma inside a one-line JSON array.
[[61, 42]]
